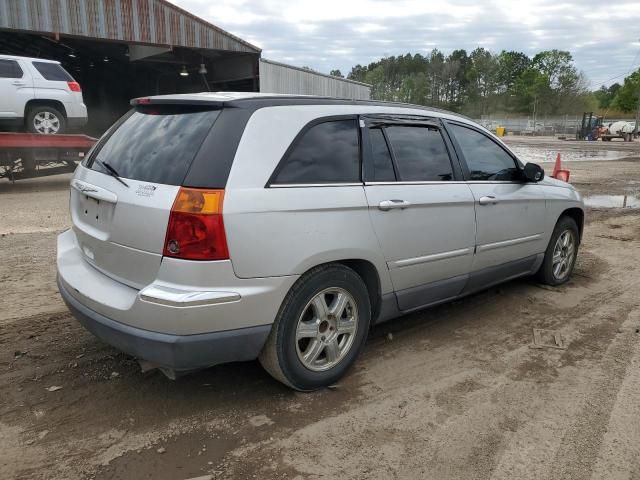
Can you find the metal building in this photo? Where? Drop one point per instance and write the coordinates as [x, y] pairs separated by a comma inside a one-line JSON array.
[[121, 49], [278, 77]]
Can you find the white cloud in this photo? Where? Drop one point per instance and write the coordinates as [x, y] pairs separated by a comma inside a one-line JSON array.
[[331, 34]]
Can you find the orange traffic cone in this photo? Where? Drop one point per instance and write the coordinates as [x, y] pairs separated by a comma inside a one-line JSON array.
[[558, 172], [557, 167]]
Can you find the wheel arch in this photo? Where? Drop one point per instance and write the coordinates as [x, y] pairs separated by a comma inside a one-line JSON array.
[[37, 102], [577, 214], [369, 274]]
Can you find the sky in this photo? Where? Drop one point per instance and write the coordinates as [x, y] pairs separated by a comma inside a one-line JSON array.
[[603, 37]]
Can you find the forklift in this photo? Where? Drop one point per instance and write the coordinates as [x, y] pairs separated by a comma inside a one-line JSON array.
[[591, 126]]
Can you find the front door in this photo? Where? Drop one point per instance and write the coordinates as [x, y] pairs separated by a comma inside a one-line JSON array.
[[510, 213], [422, 213]]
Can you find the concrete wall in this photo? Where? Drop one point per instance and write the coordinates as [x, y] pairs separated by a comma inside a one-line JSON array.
[[280, 78]]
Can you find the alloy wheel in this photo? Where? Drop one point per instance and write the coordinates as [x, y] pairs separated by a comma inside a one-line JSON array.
[[563, 254], [326, 329], [46, 122]]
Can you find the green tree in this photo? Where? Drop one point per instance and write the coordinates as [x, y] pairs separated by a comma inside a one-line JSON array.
[[336, 73], [605, 95], [511, 66], [626, 98]]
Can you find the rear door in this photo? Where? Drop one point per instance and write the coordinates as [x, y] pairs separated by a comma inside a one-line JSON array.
[[16, 88], [422, 212], [120, 224], [510, 213]]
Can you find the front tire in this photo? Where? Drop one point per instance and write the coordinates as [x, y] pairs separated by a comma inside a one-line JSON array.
[[45, 120], [561, 253], [320, 329]]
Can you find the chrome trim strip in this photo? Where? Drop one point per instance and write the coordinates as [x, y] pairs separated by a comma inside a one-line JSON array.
[[174, 297], [452, 182], [508, 243], [309, 185], [456, 182], [93, 191], [428, 258]]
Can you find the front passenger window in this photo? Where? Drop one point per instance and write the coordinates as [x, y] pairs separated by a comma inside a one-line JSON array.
[[486, 159]]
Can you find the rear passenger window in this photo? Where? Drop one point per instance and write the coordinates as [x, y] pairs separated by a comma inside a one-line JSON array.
[[52, 71], [420, 153], [10, 69], [382, 164], [328, 152], [485, 158]]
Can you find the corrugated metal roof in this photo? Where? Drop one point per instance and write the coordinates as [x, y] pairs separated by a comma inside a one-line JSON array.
[[154, 22]]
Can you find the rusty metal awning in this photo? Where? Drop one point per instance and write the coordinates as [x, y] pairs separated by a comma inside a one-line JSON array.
[[150, 22]]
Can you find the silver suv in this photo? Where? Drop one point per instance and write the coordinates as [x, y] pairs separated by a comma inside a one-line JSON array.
[[212, 228]]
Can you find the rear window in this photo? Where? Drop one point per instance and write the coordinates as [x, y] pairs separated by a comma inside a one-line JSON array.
[[155, 143], [52, 71]]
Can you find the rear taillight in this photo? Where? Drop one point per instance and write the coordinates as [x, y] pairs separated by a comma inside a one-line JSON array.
[[196, 229], [74, 86]]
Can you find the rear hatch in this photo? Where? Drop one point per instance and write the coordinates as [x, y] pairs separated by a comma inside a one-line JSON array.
[[121, 197]]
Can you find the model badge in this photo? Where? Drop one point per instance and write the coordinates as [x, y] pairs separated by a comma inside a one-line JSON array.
[[146, 190]]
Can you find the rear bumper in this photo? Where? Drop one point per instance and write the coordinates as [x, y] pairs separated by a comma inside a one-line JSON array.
[[176, 352]]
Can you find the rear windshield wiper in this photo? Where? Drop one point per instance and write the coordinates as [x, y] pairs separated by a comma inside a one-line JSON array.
[[112, 171]]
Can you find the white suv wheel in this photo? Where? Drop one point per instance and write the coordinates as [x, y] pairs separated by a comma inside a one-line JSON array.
[[46, 122]]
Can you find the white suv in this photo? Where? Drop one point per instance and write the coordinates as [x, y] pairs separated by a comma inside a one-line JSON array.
[[39, 96], [212, 228]]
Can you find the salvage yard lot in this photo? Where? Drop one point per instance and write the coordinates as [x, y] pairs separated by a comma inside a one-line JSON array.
[[452, 392]]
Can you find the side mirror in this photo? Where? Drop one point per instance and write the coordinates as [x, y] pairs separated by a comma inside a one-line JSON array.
[[533, 172]]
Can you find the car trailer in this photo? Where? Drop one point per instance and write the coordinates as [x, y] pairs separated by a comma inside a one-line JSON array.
[[27, 155]]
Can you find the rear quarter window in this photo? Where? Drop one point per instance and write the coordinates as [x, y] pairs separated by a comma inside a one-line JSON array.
[[53, 72], [328, 152], [155, 143]]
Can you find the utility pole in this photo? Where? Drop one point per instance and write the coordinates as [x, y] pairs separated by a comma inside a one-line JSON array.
[[535, 103], [637, 126]]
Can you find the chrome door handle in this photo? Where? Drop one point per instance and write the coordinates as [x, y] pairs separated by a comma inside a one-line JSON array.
[[19, 83], [488, 200], [387, 205]]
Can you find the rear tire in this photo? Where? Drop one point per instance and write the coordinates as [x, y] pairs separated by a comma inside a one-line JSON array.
[[45, 120], [560, 256], [320, 329]]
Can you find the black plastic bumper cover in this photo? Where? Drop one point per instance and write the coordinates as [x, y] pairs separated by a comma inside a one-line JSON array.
[[176, 352]]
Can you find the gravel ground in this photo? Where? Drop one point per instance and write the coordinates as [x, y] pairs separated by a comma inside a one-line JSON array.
[[452, 392]]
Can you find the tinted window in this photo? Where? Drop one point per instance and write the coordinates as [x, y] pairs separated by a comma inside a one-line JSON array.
[[420, 153], [52, 71], [156, 143], [485, 159], [10, 69], [381, 158], [326, 153]]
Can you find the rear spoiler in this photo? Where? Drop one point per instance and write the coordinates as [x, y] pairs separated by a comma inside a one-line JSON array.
[[176, 101]]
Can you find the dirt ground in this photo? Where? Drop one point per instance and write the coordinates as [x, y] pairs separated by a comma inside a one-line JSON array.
[[453, 392]]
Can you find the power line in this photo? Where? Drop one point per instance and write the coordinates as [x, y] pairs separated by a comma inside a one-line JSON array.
[[593, 82], [631, 68]]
